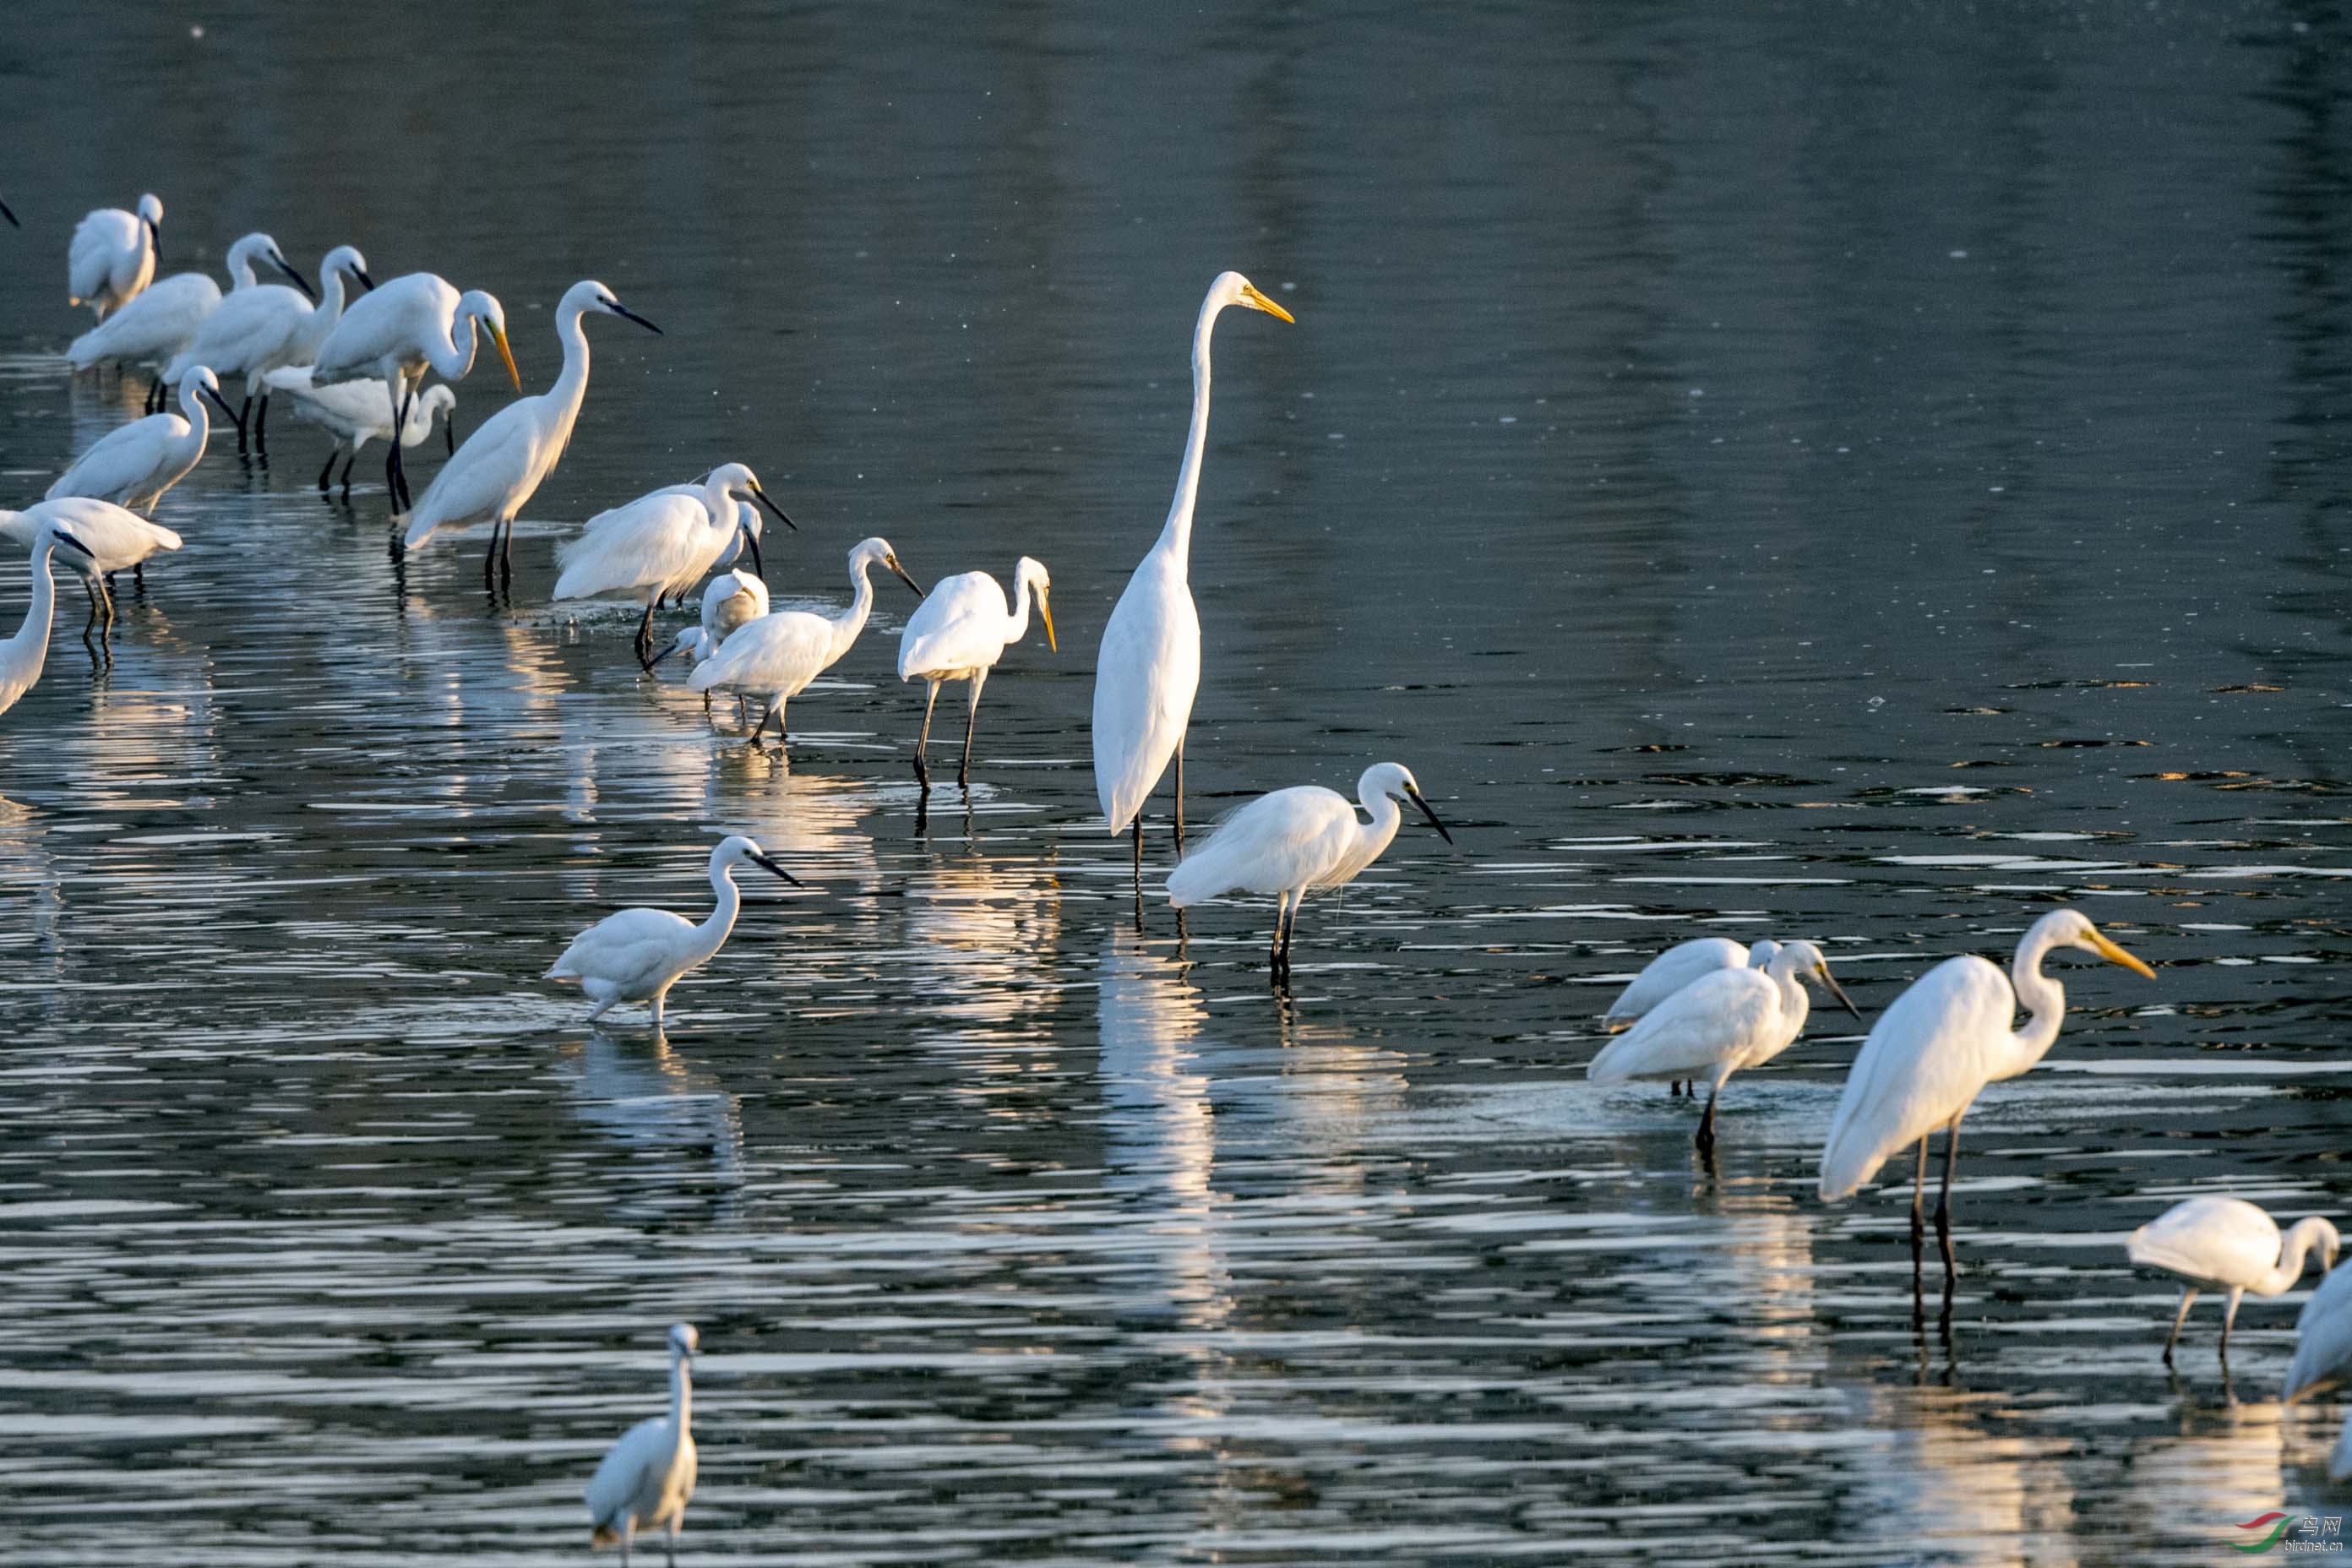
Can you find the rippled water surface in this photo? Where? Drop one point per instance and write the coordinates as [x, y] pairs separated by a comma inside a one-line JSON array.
[[1863, 475]]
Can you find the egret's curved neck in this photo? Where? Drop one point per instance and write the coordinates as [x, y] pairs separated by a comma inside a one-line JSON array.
[[572, 384], [1381, 832], [199, 417], [1796, 1002], [330, 307], [1176, 536], [2040, 995], [713, 931], [31, 643], [240, 266], [457, 358], [852, 621], [681, 1394], [1019, 627], [2306, 1235]]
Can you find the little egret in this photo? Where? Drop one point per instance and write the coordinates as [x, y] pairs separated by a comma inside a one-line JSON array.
[[1149, 664], [159, 324], [1722, 1022], [775, 657], [108, 539], [1297, 840], [358, 411], [660, 545], [2323, 1339], [746, 542], [957, 633], [133, 465], [268, 326], [399, 330], [21, 656], [112, 256], [1675, 968], [2228, 1243], [648, 1475], [1935, 1047], [730, 600], [513, 451], [638, 955]]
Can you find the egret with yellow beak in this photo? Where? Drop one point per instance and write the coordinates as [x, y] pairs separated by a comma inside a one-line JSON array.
[[401, 329]]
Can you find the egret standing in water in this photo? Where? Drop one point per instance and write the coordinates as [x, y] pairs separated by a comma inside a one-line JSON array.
[[257, 326], [2227, 1244], [661, 544], [135, 464], [2323, 1339], [1149, 666], [107, 539], [957, 633], [637, 955], [1676, 967], [112, 256], [21, 656], [358, 411], [647, 1476], [402, 329], [1934, 1047], [151, 330], [1297, 840], [514, 450], [730, 601], [1726, 1021]]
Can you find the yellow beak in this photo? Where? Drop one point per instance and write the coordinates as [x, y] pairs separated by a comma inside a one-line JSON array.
[[2114, 954], [1250, 292], [506, 353], [1046, 610]]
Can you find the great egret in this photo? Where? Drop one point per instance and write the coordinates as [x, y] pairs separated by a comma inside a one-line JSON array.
[[112, 256], [268, 326], [135, 464], [775, 657], [1675, 968], [957, 633], [648, 1475], [1724, 1022], [358, 411], [108, 538], [2323, 1339], [160, 323], [637, 955], [513, 451], [1297, 840], [1149, 664], [21, 656], [2228, 1243], [660, 545], [396, 333], [1935, 1047]]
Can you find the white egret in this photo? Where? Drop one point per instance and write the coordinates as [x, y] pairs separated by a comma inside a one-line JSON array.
[[730, 600], [1935, 1047], [1726, 1021], [775, 657], [268, 326], [135, 464], [396, 333], [21, 656], [112, 256], [747, 543], [358, 411], [513, 451], [1149, 664], [2323, 1339], [160, 323], [660, 545], [2227, 1244], [108, 539], [1677, 967], [647, 1476], [957, 633], [1297, 839], [637, 955]]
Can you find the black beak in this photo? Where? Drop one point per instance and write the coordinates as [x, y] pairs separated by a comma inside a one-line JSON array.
[[9, 215], [620, 309], [1838, 991], [222, 404], [666, 653], [911, 583], [753, 545], [299, 281], [449, 432], [776, 511], [73, 545], [1421, 802], [778, 870], [154, 233], [366, 282]]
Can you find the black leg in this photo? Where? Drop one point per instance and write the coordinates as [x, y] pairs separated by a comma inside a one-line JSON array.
[[1918, 1222], [260, 425], [242, 413], [138, 577], [645, 638], [923, 741], [1180, 797], [327, 471], [347, 469], [971, 722], [1944, 1203], [1706, 1139], [2188, 1297]]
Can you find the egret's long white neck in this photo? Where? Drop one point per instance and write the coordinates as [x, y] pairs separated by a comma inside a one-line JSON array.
[[1019, 627], [1376, 836], [2042, 996], [1796, 1002], [240, 266], [453, 361], [1176, 536], [31, 643], [2305, 1235], [712, 932], [681, 1393], [852, 621], [199, 417]]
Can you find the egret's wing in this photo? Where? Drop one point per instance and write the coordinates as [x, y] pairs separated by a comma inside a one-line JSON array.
[[90, 257], [960, 624], [248, 328], [623, 946], [498, 456], [2323, 1337], [632, 1467], [1288, 839], [121, 459], [1724, 1014], [777, 654], [653, 540], [1145, 678], [1674, 969], [1927, 1056], [2210, 1239]]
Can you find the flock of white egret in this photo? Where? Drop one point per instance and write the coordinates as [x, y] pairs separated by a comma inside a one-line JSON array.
[[358, 366]]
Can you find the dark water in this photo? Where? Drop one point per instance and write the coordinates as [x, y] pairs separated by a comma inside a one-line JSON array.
[[1861, 474]]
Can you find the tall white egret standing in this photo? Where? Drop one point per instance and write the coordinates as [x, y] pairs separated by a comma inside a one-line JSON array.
[[730, 600], [957, 633], [1296, 840], [2227, 1244], [513, 451], [112, 256], [647, 1476], [358, 411], [399, 330], [2323, 1339], [255, 327], [108, 539], [637, 955], [21, 656], [157, 325], [1934, 1047], [660, 545], [135, 464], [1726, 1021], [1677, 967], [775, 657], [1149, 666]]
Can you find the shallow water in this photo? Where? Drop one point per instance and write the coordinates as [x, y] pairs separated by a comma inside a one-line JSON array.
[[1862, 476]]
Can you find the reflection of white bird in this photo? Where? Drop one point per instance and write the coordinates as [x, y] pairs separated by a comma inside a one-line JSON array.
[[133, 465], [161, 323], [268, 326], [2228, 1243], [637, 955], [1935, 1047], [21, 656], [110, 540], [648, 1475], [112, 256], [1678, 966], [1149, 664], [659, 545], [957, 633], [513, 451], [358, 411], [775, 657], [1726, 1021], [2323, 1338], [401, 329], [1295, 840]]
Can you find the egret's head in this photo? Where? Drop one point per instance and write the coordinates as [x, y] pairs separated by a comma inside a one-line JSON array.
[[485, 308], [261, 248], [684, 1342], [1803, 961], [438, 398], [58, 534], [1396, 779], [151, 213], [1760, 953], [1233, 288], [688, 642], [200, 379], [877, 553], [1032, 570], [2068, 928], [589, 294], [347, 261], [737, 850]]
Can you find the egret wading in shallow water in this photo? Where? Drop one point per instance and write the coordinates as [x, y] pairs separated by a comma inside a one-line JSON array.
[[1675, 968], [402, 329], [1296, 840], [775, 657], [133, 465], [637, 955], [358, 411], [514, 450], [112, 256], [647, 1476], [957, 633], [2323, 1339], [108, 539], [1724, 1022], [21, 656], [730, 601], [2228, 1243], [660, 545], [1149, 666], [1934, 1047], [151, 330], [267, 326]]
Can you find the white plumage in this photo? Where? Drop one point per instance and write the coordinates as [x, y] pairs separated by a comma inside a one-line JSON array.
[[2339, 1463], [2227, 1244], [256, 323], [1677, 967], [401, 329], [659, 545], [957, 633], [111, 540], [647, 1477], [638, 955], [2323, 1338], [111, 255], [358, 411], [133, 465], [161, 323], [23, 655]]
